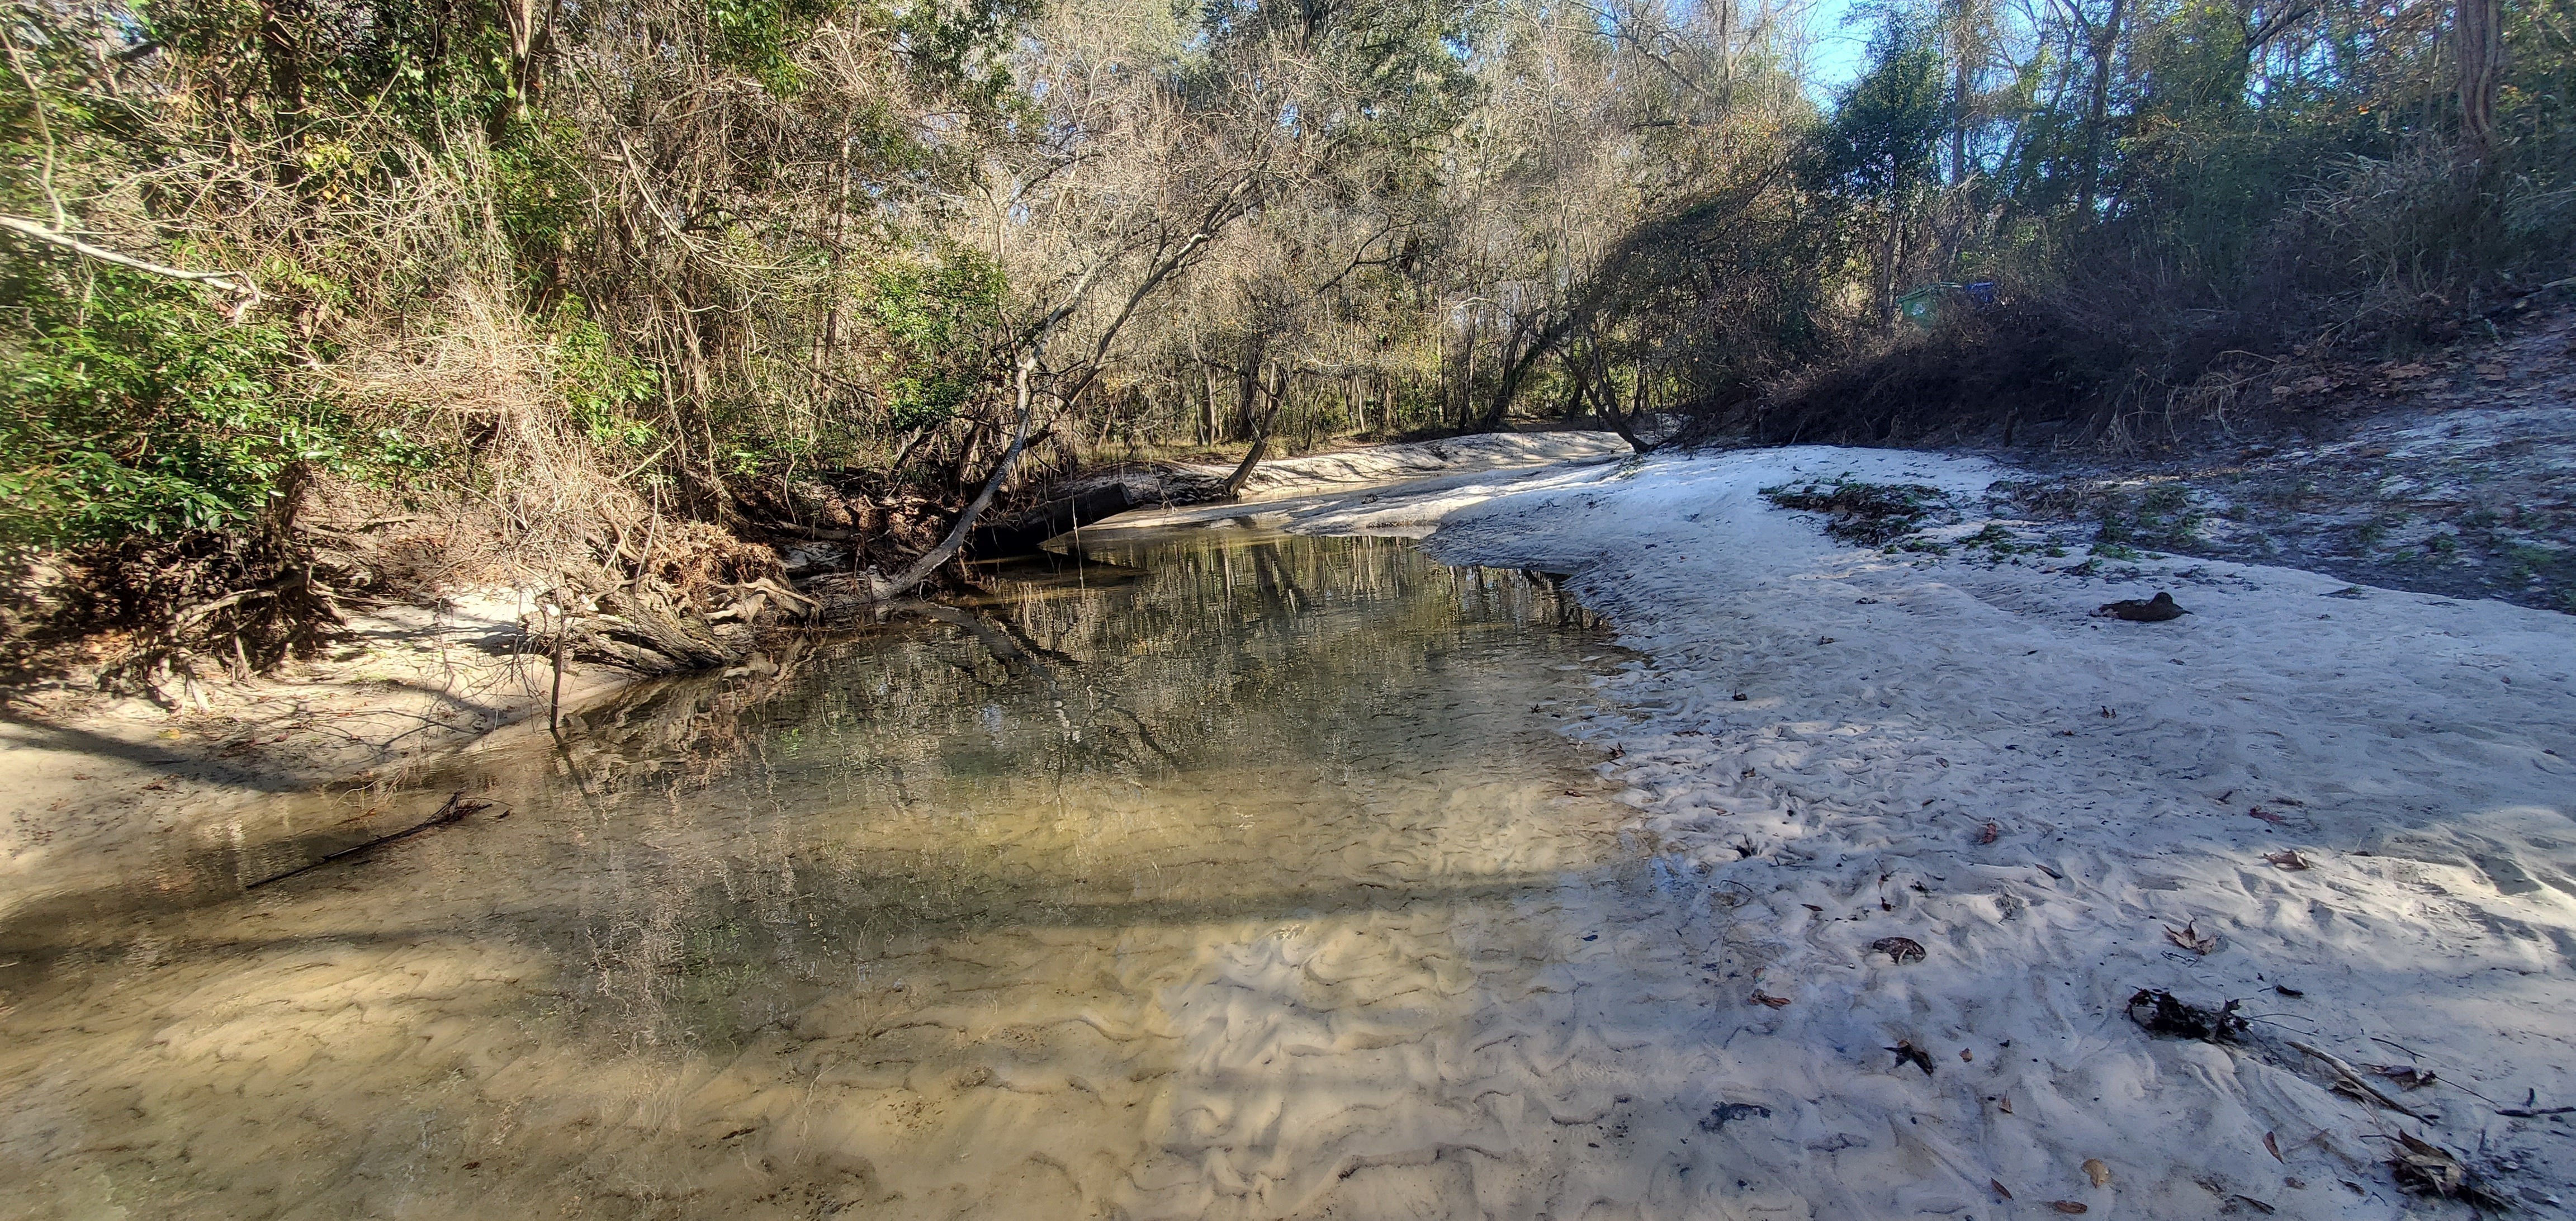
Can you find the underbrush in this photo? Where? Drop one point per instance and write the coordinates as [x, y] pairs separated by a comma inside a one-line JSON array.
[[2129, 340]]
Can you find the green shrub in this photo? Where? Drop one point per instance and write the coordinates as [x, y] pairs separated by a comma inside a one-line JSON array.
[[136, 409]]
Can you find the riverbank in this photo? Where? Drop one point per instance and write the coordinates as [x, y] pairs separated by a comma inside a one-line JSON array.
[[103, 789], [2344, 807]]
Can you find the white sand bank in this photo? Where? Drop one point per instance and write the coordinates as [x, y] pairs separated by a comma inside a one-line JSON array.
[[2415, 751], [99, 791]]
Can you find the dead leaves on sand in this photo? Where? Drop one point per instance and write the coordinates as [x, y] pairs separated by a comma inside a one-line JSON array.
[[1761, 997], [2427, 1169], [2162, 1012], [2348, 1080], [2287, 859], [2191, 938], [2407, 1076], [2098, 1171], [1908, 1053], [1899, 950]]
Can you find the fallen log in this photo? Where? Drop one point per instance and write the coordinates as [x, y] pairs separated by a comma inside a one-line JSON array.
[[1023, 534]]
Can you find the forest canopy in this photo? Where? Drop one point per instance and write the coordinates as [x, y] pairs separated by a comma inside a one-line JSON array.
[[591, 283]]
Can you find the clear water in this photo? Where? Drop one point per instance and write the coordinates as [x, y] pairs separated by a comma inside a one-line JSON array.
[[1234, 875]]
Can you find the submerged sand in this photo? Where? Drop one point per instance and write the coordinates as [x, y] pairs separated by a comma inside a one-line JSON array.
[[1566, 932]]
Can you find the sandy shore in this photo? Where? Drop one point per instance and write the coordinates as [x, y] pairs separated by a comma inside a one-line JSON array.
[[102, 791], [2347, 807], [1924, 800]]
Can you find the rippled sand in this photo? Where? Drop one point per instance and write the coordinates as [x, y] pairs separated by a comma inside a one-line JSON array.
[[1244, 878]]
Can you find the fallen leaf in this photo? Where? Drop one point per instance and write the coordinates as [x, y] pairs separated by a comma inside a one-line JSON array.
[[2257, 1205], [2287, 859], [2406, 1075], [1967, 1055], [2191, 938], [2004, 1105], [1761, 997], [2288, 991], [2272, 1145], [2427, 1169], [1908, 1053], [2266, 815], [1899, 950], [1988, 835], [2162, 1012], [2069, 1207], [2096, 1171], [2000, 1189]]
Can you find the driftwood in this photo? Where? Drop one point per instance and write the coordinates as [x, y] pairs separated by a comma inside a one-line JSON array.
[[455, 809], [644, 628], [1023, 534]]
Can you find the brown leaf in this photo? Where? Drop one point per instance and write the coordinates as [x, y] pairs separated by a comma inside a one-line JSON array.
[[1761, 997], [2406, 1075], [2191, 938], [1908, 1053], [2004, 1105], [1988, 835], [2069, 1207], [1967, 1055], [2000, 1189], [2272, 1145], [2095, 1170], [2266, 815], [2427, 1169], [2287, 859], [1899, 950]]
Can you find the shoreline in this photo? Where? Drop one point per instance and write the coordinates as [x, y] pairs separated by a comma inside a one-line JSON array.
[[106, 789], [108, 794], [2344, 806]]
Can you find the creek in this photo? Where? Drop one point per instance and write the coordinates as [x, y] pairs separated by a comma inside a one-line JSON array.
[[1225, 874]]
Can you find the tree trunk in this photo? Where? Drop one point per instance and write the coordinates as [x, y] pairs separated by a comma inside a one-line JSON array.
[[1251, 410], [527, 26], [281, 47], [2477, 26], [2097, 107], [1887, 266]]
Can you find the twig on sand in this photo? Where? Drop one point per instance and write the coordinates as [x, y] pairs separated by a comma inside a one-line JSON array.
[[2352, 1081]]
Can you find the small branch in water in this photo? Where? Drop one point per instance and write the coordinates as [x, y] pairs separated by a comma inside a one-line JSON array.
[[454, 810]]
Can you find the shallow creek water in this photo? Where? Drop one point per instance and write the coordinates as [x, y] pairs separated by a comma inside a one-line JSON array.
[[1231, 875]]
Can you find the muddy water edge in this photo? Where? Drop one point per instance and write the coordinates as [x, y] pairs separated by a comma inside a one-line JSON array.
[[1227, 874]]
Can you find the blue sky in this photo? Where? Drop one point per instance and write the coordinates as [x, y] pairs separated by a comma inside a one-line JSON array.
[[1834, 56]]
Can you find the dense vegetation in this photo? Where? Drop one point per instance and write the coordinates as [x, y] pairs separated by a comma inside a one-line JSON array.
[[311, 296]]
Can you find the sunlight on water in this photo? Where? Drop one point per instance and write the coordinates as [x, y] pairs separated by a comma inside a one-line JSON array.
[[1230, 875]]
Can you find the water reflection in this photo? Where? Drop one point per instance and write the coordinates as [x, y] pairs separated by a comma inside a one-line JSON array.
[[1229, 875]]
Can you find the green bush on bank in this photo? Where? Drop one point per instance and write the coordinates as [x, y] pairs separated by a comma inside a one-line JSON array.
[[137, 408]]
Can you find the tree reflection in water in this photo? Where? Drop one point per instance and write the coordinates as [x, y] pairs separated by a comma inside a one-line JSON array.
[[1141, 885]]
